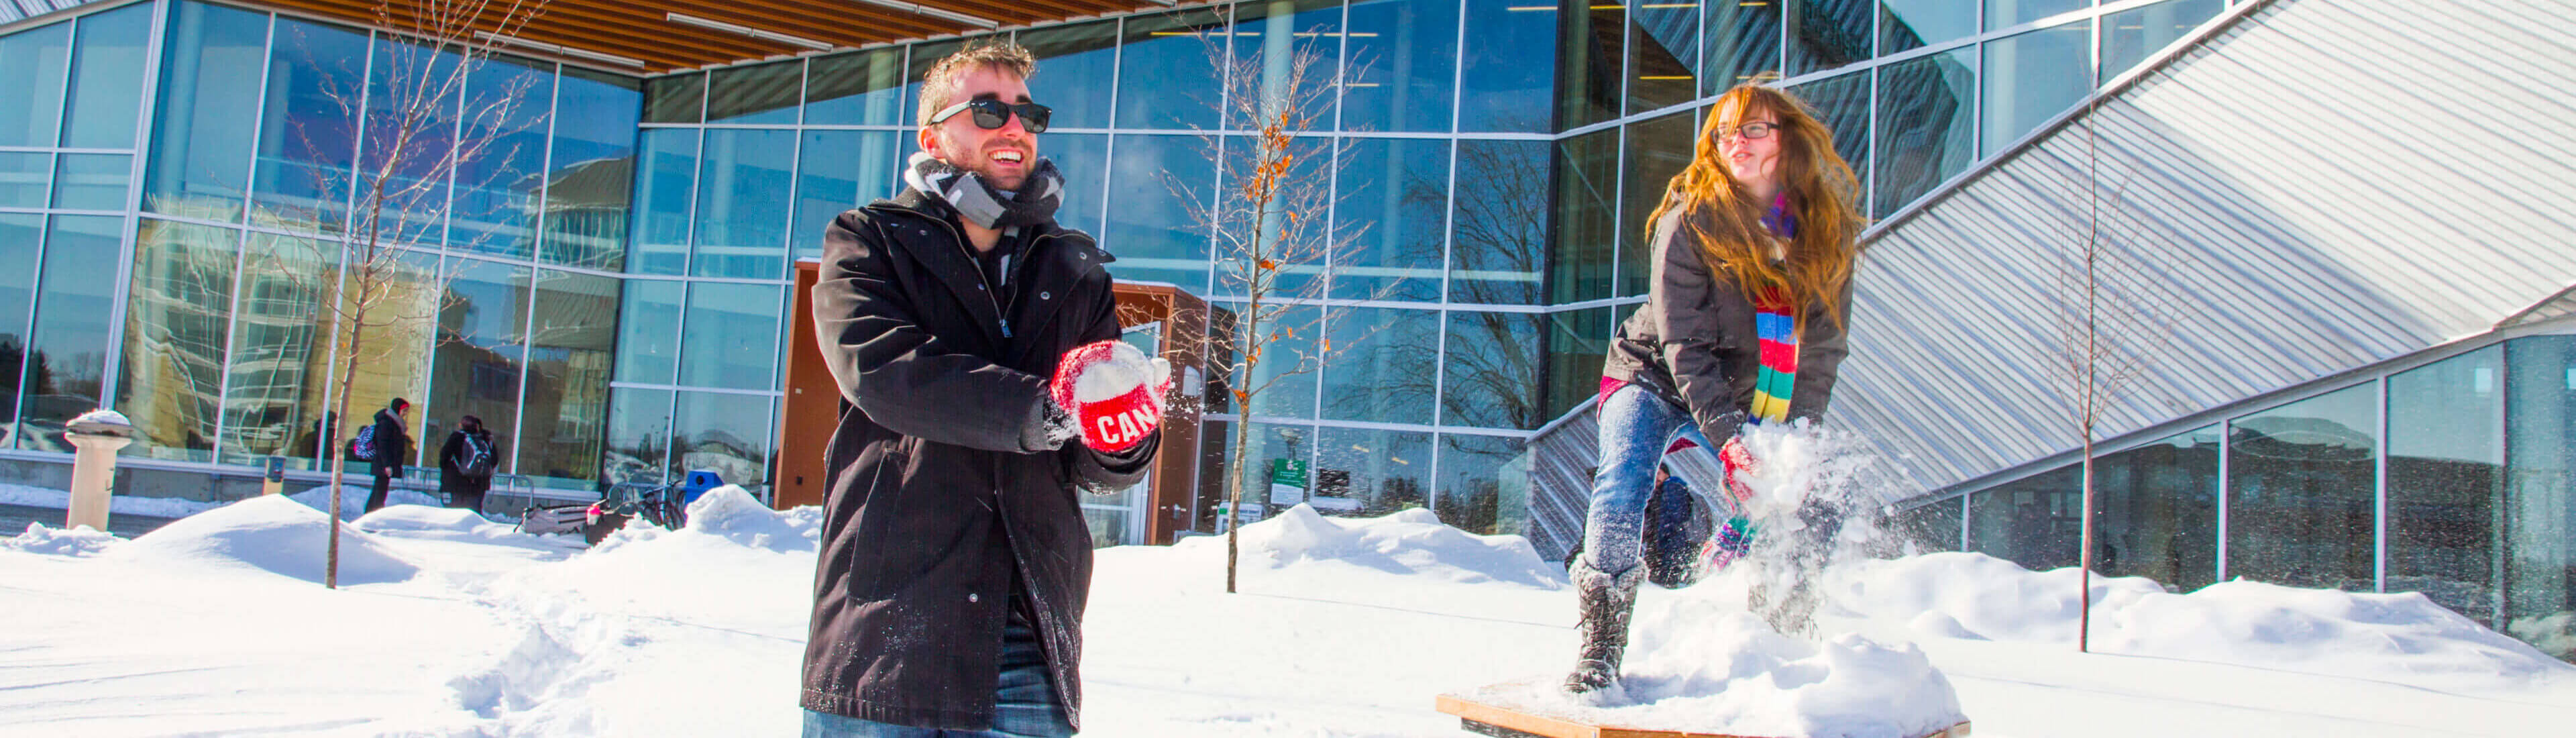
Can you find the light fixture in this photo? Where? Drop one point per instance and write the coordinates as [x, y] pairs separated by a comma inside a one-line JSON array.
[[691, 20], [559, 49], [949, 15], [1532, 8]]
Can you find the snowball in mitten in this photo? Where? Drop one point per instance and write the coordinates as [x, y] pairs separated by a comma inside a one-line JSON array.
[[1114, 393]]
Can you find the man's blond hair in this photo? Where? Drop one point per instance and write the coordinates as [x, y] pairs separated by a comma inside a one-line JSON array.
[[939, 85]]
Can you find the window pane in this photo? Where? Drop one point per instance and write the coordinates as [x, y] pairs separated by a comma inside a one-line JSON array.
[[1842, 104], [1083, 158], [1377, 372], [36, 62], [1657, 149], [1076, 66], [923, 56], [413, 118], [482, 349], [1914, 24], [1663, 55], [2129, 36], [1367, 472], [1484, 484], [1498, 223], [68, 356], [1509, 61], [1153, 231], [1307, 191], [675, 99], [201, 137], [1403, 58], [1168, 74], [1314, 28], [2009, 13], [395, 352], [744, 192], [2300, 492], [2540, 519], [2032, 77], [1589, 74], [2035, 522], [107, 81], [1215, 444], [25, 178], [1931, 527], [1491, 375], [275, 396], [1394, 194], [2156, 510], [648, 333], [837, 171], [1824, 34], [309, 136], [1285, 378], [594, 169], [2445, 478], [858, 88], [506, 102], [639, 437], [725, 433], [763, 94], [569, 358], [20, 236], [1927, 124], [1272, 446], [664, 185], [92, 181], [1743, 44], [730, 336], [1577, 342], [1587, 217], [176, 325]]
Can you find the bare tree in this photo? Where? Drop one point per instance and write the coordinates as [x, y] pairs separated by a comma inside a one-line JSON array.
[[2112, 318], [425, 122]]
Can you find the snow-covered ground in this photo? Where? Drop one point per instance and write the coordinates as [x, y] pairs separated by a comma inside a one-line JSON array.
[[447, 624]]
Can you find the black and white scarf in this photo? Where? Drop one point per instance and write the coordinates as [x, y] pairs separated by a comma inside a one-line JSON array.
[[981, 203]]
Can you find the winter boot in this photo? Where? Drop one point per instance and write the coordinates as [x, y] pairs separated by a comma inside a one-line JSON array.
[[1607, 602]]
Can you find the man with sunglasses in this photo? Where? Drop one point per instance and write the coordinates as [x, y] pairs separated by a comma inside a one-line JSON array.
[[975, 342]]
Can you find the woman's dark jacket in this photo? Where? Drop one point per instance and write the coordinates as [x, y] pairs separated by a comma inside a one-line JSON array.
[[452, 478], [1693, 343], [393, 444], [943, 480]]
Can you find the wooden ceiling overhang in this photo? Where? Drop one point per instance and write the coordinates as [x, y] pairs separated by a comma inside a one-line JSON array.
[[644, 31]]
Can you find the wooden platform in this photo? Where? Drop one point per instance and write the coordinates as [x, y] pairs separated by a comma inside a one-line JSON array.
[[1484, 719]]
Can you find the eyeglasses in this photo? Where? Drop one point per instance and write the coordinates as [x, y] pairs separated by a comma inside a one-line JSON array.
[[1750, 131], [991, 114]]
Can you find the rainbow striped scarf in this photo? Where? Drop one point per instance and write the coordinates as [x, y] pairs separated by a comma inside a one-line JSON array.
[[1775, 325]]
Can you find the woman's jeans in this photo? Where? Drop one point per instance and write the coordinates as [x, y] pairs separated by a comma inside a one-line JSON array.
[[1025, 706], [1636, 427]]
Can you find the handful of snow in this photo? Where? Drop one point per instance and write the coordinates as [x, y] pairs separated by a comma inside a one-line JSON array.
[[75, 542], [272, 534]]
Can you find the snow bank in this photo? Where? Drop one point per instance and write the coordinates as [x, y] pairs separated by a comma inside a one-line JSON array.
[[1412, 542], [422, 518], [78, 541], [155, 507], [1698, 664], [1970, 595], [353, 499], [270, 534]]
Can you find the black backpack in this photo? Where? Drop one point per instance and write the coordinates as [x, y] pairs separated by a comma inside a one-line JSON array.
[[477, 460]]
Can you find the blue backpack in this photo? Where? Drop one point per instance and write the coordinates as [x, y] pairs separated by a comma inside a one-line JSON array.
[[363, 447]]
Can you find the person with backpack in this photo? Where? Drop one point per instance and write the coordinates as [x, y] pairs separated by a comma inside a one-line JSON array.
[[465, 464], [385, 444]]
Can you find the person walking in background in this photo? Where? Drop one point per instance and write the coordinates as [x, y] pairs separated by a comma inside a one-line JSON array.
[[392, 445], [465, 464], [1744, 322]]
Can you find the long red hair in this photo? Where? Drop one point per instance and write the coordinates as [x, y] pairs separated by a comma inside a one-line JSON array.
[[1727, 223]]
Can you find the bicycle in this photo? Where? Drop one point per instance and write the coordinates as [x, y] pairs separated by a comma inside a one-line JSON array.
[[654, 501]]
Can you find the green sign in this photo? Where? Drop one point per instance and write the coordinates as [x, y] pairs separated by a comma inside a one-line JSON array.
[[1288, 472]]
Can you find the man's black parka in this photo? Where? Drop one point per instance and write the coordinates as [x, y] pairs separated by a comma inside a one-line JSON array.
[[942, 479]]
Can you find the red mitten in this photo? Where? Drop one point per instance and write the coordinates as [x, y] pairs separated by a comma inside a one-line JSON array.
[[1739, 464], [1114, 393]]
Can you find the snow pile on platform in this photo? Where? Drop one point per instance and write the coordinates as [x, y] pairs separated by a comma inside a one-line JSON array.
[[1970, 595], [76, 541], [270, 534], [1410, 542]]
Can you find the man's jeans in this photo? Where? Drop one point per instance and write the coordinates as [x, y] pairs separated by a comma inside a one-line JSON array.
[[1636, 427], [1024, 707]]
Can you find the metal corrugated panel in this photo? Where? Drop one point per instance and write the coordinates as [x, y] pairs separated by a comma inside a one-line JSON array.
[[12, 11], [2319, 186], [1562, 456]]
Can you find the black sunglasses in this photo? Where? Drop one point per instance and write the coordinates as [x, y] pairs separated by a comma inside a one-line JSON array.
[[991, 114]]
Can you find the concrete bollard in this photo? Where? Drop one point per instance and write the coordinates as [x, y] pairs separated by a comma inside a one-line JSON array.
[[97, 435]]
